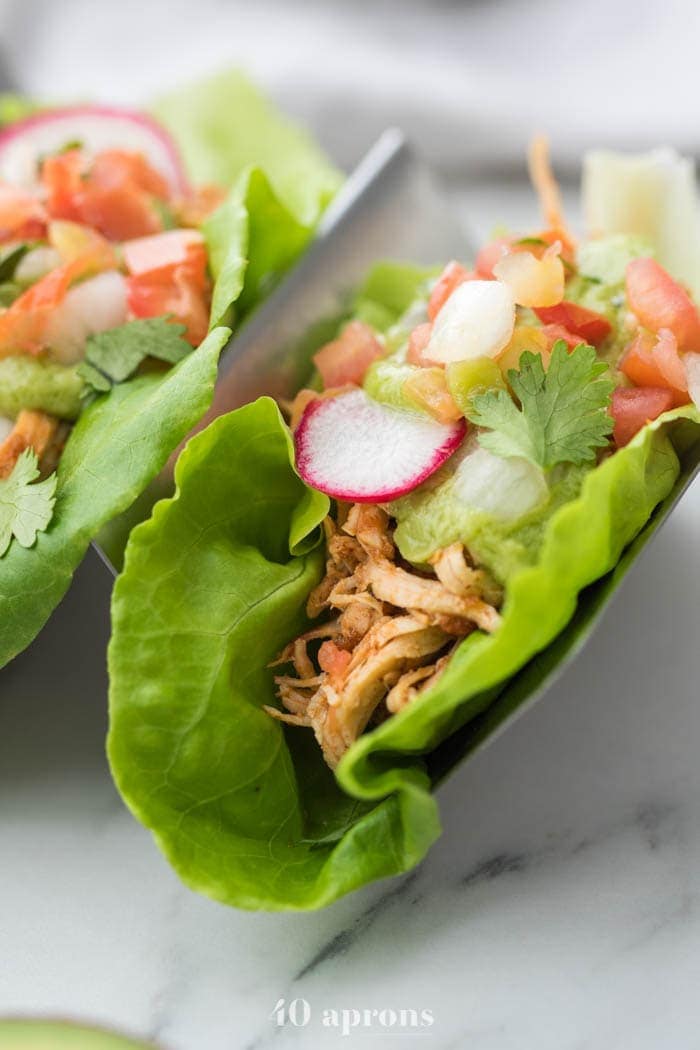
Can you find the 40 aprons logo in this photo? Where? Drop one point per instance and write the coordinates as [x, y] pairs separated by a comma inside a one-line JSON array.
[[298, 1013]]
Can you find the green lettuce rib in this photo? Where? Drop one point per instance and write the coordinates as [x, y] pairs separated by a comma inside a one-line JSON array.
[[246, 811]]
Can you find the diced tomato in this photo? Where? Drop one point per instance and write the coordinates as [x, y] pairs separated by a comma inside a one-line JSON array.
[[347, 358], [554, 332], [119, 211], [658, 302], [490, 254], [168, 275], [451, 277], [169, 249], [116, 193], [417, 342], [655, 362], [633, 408], [22, 217], [115, 165], [333, 660], [173, 290], [23, 324], [589, 326]]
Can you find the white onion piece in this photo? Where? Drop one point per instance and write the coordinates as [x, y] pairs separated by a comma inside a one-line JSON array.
[[6, 426], [476, 321], [691, 363], [652, 195], [36, 264], [505, 489], [90, 307]]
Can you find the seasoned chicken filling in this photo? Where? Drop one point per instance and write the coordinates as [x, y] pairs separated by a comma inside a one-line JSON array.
[[390, 635]]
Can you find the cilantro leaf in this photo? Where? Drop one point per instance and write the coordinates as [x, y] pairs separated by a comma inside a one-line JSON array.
[[25, 508], [563, 416], [114, 355]]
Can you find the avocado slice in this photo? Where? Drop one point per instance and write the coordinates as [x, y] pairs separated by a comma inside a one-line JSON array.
[[21, 1034]]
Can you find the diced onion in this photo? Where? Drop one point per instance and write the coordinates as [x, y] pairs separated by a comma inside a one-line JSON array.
[[36, 264], [476, 321], [90, 307], [505, 489]]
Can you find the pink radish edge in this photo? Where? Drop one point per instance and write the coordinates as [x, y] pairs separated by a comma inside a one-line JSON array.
[[21, 127], [449, 441]]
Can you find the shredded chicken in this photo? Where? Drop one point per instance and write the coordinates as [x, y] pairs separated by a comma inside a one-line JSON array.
[[35, 430], [404, 589], [392, 634], [457, 576]]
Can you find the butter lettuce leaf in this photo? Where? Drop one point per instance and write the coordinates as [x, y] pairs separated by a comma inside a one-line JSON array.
[[118, 445], [215, 584], [245, 809], [279, 184], [223, 125], [252, 240]]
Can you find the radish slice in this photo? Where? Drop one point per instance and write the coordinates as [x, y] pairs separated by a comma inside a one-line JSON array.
[[96, 128], [359, 450]]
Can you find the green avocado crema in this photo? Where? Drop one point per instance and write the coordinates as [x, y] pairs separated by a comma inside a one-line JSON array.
[[600, 284], [433, 517], [26, 382]]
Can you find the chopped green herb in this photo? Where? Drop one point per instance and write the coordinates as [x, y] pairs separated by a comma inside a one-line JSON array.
[[26, 507], [114, 356], [563, 414]]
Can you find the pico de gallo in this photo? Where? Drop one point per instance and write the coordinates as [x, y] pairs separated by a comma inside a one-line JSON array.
[[98, 228]]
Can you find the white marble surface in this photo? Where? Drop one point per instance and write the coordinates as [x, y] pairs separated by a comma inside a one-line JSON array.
[[559, 911]]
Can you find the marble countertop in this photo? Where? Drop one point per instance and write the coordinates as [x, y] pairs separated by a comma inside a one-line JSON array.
[[558, 911]]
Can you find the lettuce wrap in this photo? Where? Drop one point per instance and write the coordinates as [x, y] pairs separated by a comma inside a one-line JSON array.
[[224, 577], [278, 183]]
